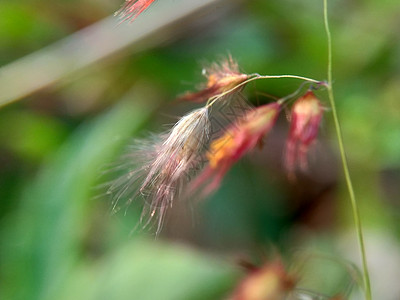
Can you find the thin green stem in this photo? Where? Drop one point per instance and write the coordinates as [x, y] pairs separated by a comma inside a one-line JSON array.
[[356, 213], [253, 77]]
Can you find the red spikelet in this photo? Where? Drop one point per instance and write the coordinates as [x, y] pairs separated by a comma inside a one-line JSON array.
[[305, 119], [221, 77], [133, 8], [238, 140]]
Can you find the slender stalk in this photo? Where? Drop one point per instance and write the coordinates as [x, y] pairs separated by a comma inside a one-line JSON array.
[[253, 77], [356, 213]]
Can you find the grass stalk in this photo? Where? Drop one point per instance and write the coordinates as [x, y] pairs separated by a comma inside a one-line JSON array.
[[253, 77], [356, 213]]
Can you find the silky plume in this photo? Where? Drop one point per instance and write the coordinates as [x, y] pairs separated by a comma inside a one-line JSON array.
[[161, 166]]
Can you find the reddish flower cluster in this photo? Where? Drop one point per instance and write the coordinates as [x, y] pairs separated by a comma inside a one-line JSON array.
[[167, 164], [133, 8], [305, 120]]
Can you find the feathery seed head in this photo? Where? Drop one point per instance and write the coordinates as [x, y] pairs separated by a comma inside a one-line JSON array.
[[225, 75], [221, 78], [177, 157], [190, 133], [164, 167]]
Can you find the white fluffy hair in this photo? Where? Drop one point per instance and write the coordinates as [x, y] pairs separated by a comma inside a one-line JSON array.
[[159, 167]]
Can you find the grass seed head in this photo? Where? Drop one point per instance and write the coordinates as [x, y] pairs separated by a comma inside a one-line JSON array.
[[237, 140], [221, 77], [163, 167]]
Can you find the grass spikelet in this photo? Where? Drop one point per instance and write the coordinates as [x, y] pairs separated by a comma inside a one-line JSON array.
[[221, 77], [238, 139], [160, 167], [132, 9]]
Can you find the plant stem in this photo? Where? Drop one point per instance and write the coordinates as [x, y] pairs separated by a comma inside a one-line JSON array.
[[253, 77], [356, 213]]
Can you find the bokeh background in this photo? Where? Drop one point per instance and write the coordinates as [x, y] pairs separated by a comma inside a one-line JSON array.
[[76, 88]]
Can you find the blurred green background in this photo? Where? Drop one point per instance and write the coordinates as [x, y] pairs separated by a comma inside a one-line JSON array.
[[59, 240]]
